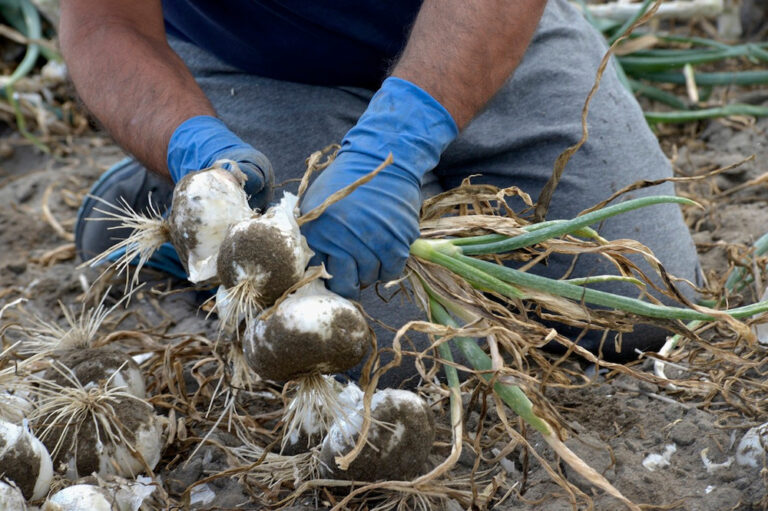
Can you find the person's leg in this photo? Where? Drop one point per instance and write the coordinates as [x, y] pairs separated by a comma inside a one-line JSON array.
[[537, 115]]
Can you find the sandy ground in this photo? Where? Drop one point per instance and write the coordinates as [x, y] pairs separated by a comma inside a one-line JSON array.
[[619, 421]]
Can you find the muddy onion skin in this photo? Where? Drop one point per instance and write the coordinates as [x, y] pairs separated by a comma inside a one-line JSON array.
[[91, 365], [81, 497], [312, 330], [87, 453], [25, 461], [11, 498], [403, 442], [268, 250], [205, 204]]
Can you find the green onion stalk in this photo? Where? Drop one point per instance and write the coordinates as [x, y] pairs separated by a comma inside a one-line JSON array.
[[455, 255], [706, 113], [514, 397], [32, 29]]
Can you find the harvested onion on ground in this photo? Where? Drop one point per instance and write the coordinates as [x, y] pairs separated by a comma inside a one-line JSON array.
[[118, 495], [96, 427], [398, 443], [92, 365], [81, 497], [11, 498], [25, 460]]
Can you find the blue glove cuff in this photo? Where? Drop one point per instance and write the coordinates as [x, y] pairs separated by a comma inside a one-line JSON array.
[[197, 143], [405, 120]]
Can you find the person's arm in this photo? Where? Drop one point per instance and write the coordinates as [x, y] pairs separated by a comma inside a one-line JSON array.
[[462, 51], [459, 54], [127, 75], [143, 94]]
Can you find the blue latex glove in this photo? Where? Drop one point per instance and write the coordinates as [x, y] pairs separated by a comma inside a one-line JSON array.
[[366, 236], [199, 141]]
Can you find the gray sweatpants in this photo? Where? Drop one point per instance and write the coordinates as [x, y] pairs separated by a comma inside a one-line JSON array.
[[513, 141]]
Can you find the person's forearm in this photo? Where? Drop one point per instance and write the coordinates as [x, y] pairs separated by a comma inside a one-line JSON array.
[[128, 76], [462, 51]]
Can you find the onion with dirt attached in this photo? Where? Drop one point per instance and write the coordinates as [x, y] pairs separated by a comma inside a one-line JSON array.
[[25, 460], [113, 495], [312, 331], [81, 497], [11, 497], [95, 427], [308, 335], [260, 259], [92, 365], [398, 443], [204, 205]]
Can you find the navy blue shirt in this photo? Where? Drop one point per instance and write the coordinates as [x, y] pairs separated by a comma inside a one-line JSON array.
[[325, 42]]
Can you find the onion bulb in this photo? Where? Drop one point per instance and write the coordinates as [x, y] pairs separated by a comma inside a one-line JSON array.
[[312, 331], [25, 460], [398, 444], [113, 495], [96, 427], [11, 497], [81, 497], [261, 258], [205, 204], [91, 365]]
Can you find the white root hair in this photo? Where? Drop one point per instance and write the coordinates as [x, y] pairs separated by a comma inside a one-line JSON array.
[[81, 331], [149, 233], [244, 302], [63, 409]]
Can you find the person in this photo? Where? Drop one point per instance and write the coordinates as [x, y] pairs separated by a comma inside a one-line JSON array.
[[451, 88]]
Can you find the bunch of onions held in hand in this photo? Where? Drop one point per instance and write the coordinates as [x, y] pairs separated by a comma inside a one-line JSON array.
[[265, 288]]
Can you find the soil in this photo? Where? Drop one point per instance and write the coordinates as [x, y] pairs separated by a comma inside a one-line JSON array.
[[617, 423]]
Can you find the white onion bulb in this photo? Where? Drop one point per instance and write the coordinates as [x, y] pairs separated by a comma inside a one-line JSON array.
[[312, 331], [11, 498], [25, 460], [205, 204], [267, 252], [398, 443]]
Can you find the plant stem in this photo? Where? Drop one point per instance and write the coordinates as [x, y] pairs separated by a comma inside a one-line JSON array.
[[659, 95], [597, 279], [512, 395], [636, 64], [630, 21], [584, 232], [33, 31], [569, 226], [602, 298], [436, 252], [706, 113], [715, 78]]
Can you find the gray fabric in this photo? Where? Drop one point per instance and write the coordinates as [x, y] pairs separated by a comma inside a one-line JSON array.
[[514, 141]]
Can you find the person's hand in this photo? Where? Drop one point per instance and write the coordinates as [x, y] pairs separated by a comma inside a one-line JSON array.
[[200, 141], [366, 236]]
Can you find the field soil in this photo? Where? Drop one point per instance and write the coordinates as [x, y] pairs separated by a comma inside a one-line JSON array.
[[619, 425]]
